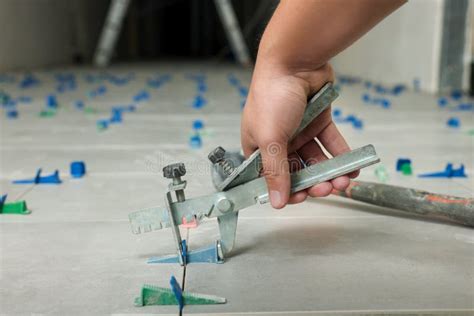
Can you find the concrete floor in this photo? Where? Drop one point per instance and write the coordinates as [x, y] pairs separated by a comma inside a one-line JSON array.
[[75, 254]]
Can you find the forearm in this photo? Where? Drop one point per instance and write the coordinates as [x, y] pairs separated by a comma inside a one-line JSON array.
[[305, 34]]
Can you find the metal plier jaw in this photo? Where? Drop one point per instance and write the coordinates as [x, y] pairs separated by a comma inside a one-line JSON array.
[[239, 186]]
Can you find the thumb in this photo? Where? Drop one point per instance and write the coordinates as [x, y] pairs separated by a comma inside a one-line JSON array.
[[276, 172]]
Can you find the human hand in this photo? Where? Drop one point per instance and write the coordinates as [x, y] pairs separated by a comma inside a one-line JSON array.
[[273, 111]]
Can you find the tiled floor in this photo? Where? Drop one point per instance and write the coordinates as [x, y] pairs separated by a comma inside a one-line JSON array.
[[75, 254]]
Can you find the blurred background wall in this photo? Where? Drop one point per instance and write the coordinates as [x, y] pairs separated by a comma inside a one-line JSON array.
[[41, 33], [190, 29], [427, 41], [402, 48]]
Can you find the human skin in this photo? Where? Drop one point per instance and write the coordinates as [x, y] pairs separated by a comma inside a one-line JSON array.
[[292, 64]]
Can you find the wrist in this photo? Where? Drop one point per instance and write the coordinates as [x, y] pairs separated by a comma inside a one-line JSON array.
[[311, 76]]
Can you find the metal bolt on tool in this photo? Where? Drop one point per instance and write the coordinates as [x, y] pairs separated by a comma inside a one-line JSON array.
[[175, 171], [217, 158]]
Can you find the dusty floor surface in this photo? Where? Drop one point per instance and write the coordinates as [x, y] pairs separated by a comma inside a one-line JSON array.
[[75, 254]]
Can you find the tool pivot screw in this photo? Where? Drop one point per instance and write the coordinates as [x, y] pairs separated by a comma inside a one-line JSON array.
[[223, 205]]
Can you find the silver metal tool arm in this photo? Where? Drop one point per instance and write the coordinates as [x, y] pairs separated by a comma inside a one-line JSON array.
[[250, 193], [247, 194]]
